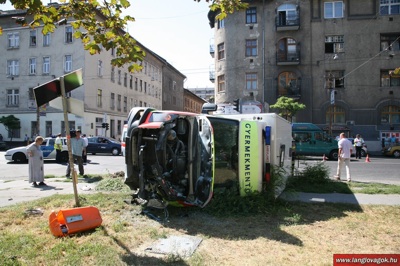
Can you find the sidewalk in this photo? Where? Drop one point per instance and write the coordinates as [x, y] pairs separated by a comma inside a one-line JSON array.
[[359, 199], [13, 192]]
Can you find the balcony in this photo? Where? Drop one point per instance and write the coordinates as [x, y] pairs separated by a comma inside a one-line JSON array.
[[288, 19], [283, 23], [291, 90], [212, 76], [288, 58]]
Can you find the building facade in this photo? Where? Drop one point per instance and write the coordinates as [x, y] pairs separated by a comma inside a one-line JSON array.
[[29, 59], [333, 56], [193, 103]]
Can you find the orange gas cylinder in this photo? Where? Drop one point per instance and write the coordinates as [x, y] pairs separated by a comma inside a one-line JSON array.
[[72, 221]]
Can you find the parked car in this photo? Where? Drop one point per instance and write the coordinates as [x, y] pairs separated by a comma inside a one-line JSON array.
[[103, 145], [392, 151], [364, 150], [20, 154]]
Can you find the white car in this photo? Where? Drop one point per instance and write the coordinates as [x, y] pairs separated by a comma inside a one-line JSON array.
[[20, 154]]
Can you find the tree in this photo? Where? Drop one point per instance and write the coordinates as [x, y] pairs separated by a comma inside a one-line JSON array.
[[97, 34], [287, 107], [11, 123]]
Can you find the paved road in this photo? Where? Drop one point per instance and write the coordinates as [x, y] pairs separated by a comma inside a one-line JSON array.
[[14, 186], [380, 169], [98, 164]]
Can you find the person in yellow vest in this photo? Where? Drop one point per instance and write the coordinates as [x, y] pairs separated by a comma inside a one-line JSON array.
[[58, 148]]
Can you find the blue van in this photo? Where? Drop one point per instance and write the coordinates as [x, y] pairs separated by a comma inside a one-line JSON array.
[[313, 141]]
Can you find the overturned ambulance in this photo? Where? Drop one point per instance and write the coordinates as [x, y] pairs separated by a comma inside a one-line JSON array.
[[179, 157]]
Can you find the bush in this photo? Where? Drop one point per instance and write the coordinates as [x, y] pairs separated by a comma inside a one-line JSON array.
[[315, 174]]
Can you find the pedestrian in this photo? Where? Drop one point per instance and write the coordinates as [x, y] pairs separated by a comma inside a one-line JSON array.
[[78, 147], [393, 140], [35, 155], [345, 150], [358, 143], [84, 153], [58, 148], [26, 139]]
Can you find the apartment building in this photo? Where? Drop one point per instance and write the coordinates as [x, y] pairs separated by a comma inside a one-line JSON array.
[[193, 103], [333, 56], [29, 58]]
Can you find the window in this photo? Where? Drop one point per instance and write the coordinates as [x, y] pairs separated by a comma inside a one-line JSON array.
[[119, 102], [49, 128], [390, 114], [136, 84], [336, 114], [125, 104], [141, 85], [334, 44], [112, 74], [119, 77], [288, 50], [389, 7], [287, 14], [68, 34], [251, 47], [333, 9], [221, 23], [46, 65], [334, 79], [221, 83], [32, 66], [68, 63], [390, 42], [251, 15], [388, 80], [32, 38], [99, 68], [221, 51], [31, 94], [12, 68], [46, 39], [131, 82], [288, 84], [15, 133], [125, 79], [112, 102], [145, 87], [12, 97], [251, 81], [99, 98], [13, 40]]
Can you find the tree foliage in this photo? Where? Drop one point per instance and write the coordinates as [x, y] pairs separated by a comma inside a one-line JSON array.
[[104, 33], [11, 123], [287, 107]]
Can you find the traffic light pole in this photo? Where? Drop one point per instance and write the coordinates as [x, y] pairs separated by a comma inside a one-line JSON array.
[[68, 134]]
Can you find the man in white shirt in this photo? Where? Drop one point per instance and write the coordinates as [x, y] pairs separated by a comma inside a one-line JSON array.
[[84, 154], [345, 150]]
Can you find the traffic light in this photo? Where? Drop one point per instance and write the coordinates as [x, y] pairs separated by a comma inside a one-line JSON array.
[[103, 125], [107, 126], [236, 105]]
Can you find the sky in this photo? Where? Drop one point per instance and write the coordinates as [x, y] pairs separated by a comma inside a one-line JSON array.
[[177, 30]]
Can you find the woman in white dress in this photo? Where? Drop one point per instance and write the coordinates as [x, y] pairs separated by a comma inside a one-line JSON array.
[[35, 154]]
